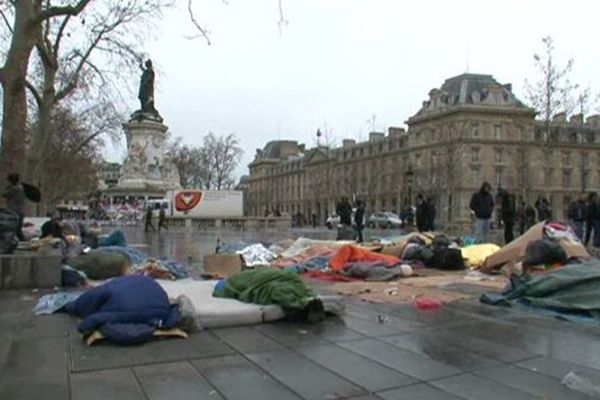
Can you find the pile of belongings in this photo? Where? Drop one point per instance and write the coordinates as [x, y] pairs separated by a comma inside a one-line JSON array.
[[545, 245], [569, 293]]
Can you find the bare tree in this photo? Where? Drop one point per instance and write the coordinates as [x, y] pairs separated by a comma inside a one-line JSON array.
[[552, 92], [28, 18]]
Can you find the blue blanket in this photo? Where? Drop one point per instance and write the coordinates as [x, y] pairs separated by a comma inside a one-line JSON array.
[[126, 309]]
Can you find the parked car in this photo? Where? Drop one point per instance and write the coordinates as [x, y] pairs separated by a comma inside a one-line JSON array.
[[384, 220], [333, 220]]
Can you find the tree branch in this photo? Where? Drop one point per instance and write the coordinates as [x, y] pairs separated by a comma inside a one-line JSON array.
[[64, 10], [60, 33], [6, 21], [34, 92], [203, 31]]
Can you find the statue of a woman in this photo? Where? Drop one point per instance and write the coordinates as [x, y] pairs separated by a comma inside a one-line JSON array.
[[146, 93]]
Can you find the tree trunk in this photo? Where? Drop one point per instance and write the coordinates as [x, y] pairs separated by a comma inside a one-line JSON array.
[[14, 72]]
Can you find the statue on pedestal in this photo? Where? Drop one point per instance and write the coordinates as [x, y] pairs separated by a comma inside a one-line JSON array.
[[146, 95]]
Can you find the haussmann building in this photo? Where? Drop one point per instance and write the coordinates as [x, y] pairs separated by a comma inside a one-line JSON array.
[[472, 129]]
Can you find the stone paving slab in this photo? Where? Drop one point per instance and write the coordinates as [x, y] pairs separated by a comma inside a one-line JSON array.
[[404, 361], [359, 370], [304, 377], [420, 391], [530, 382], [236, 378], [178, 380], [34, 369], [113, 384], [245, 339], [558, 369], [472, 387]]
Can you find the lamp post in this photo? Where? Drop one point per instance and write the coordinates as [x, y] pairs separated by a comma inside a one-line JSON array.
[[409, 175]]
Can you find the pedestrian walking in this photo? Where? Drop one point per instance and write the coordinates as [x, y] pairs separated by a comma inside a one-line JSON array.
[[576, 215], [148, 220], [15, 201], [359, 220], [162, 219], [431, 214], [482, 206], [508, 213]]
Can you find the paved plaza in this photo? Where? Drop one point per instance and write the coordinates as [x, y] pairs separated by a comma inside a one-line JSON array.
[[465, 350]]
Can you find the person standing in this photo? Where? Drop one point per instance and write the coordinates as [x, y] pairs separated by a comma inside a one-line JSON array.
[[422, 214], [431, 214], [482, 206], [162, 219], [543, 209], [576, 215], [15, 201], [592, 220], [148, 221], [508, 213], [344, 211], [359, 220]]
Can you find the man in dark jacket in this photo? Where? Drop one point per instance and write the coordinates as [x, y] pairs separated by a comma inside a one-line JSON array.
[[431, 214], [344, 210], [482, 206], [576, 215], [508, 212], [422, 214], [359, 220]]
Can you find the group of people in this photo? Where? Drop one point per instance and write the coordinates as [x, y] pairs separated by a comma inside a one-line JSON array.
[[344, 211], [162, 219], [584, 217]]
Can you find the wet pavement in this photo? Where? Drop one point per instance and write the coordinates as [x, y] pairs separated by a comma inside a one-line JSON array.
[[465, 350]]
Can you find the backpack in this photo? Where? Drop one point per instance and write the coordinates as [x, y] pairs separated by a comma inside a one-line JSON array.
[[32, 192]]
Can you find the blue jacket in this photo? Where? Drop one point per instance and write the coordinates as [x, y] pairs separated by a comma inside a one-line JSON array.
[[126, 309]]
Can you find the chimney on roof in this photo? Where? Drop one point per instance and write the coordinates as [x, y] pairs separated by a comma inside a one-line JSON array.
[[508, 87], [375, 136], [348, 143], [593, 121], [576, 119], [560, 117]]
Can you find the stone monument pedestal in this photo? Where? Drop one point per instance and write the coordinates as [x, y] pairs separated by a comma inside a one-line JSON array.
[[147, 171]]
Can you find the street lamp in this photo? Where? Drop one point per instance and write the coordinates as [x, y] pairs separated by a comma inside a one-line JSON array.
[[409, 175]]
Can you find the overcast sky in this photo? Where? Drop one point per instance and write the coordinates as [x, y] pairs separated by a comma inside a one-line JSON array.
[[338, 62]]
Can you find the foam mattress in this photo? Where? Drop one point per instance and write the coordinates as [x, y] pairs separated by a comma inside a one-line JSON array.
[[213, 312]]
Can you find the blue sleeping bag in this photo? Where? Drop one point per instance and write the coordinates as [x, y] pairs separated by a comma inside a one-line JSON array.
[[126, 309]]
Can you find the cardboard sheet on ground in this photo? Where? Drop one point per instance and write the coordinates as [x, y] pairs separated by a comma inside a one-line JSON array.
[[215, 312], [515, 250], [436, 285]]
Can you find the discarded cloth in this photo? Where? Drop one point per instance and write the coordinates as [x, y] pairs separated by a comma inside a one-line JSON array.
[[100, 264], [569, 291], [544, 251], [126, 309], [267, 286], [51, 303], [135, 256], [302, 244], [349, 253], [116, 238], [257, 254], [475, 255], [304, 256]]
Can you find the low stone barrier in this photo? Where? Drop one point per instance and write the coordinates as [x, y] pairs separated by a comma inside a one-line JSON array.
[[30, 270]]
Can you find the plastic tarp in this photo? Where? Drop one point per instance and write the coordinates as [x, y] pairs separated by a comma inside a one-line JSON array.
[[571, 290], [302, 244], [213, 312]]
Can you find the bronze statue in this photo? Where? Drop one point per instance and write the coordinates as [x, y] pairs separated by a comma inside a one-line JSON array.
[[146, 93]]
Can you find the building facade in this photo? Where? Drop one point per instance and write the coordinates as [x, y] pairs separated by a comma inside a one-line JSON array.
[[471, 129]]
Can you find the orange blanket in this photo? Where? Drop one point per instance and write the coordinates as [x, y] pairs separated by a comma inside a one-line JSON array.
[[349, 253]]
